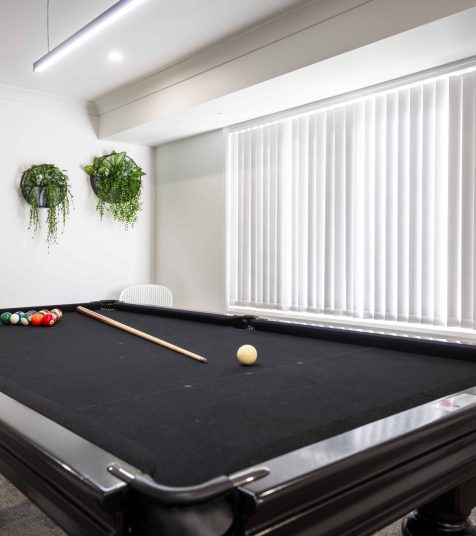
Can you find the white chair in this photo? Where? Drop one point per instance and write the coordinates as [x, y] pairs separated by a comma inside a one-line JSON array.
[[147, 295]]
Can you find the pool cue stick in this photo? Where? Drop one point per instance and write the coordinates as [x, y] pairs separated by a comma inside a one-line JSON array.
[[138, 333]]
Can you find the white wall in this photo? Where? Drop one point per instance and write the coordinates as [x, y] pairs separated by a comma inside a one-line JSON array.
[[190, 201], [94, 259]]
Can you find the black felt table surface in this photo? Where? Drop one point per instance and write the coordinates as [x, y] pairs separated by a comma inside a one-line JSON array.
[[185, 422]]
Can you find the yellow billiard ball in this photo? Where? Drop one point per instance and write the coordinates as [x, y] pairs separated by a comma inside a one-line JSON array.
[[247, 354]]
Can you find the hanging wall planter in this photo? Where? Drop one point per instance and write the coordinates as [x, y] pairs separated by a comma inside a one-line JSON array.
[[116, 180], [45, 186]]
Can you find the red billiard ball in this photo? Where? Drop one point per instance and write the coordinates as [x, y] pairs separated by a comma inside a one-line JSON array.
[[48, 320]]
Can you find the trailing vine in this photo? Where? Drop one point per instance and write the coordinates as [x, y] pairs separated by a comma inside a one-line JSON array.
[[47, 186], [117, 181]]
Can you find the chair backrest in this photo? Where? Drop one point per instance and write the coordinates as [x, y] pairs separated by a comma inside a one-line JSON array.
[[147, 295]]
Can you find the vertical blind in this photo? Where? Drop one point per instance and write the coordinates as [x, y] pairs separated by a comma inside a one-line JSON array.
[[364, 209]]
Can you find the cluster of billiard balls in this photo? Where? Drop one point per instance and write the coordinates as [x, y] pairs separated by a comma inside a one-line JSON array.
[[40, 318]]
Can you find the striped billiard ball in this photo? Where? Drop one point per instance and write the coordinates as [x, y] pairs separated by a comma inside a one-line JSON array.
[[57, 312], [25, 319]]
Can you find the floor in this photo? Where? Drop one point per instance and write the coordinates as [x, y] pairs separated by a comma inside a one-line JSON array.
[[19, 517]]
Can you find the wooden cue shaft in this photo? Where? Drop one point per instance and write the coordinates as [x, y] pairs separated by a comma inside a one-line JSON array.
[[138, 333]]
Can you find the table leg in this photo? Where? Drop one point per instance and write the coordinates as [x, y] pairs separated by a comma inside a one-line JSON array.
[[446, 515]]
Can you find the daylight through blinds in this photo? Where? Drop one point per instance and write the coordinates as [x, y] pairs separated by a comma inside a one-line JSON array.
[[364, 209]]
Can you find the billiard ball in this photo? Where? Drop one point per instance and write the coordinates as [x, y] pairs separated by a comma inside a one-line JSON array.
[[36, 320], [43, 312], [247, 354], [15, 318], [57, 313], [25, 319], [5, 318], [48, 320]]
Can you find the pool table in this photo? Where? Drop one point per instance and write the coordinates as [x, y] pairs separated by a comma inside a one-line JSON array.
[[330, 432]]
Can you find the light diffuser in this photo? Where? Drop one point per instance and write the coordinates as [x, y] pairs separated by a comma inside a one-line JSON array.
[[91, 29]]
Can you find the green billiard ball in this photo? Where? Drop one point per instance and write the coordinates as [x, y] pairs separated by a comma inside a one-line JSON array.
[[5, 318]]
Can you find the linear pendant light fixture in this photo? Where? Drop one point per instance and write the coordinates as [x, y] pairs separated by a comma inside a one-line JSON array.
[[108, 17]]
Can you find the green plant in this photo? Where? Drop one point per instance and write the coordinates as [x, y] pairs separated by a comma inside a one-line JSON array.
[[116, 179], [47, 186]]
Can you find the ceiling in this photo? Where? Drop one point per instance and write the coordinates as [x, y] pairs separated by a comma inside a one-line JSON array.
[[439, 43], [141, 100], [157, 34]]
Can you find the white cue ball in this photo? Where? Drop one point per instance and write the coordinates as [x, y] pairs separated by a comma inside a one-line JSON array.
[[247, 354]]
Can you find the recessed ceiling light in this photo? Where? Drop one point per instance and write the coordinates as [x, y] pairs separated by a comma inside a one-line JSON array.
[[115, 56]]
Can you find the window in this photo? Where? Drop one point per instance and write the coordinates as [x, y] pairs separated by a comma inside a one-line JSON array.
[[362, 209]]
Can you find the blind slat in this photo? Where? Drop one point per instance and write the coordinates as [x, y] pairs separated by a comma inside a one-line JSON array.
[[365, 209]]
